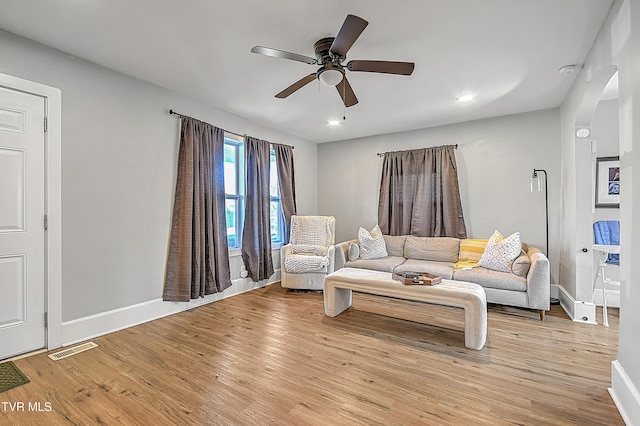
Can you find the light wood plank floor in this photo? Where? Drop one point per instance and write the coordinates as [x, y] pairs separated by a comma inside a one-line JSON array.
[[272, 357]]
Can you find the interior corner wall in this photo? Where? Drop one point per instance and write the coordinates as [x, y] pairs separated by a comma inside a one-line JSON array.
[[495, 158], [626, 372], [617, 46], [119, 159]]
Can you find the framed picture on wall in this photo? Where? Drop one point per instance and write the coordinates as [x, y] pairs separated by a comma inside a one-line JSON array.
[[608, 182]]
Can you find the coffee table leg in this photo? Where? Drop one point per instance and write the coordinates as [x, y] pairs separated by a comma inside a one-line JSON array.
[[475, 325], [336, 300]]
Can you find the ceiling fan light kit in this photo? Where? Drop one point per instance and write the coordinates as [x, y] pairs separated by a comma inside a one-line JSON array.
[[330, 76], [331, 53]]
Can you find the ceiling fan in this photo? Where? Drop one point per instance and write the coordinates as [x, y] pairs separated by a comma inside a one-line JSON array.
[[330, 54]]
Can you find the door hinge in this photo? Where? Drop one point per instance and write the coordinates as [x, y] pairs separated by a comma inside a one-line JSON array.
[[46, 124], [46, 222], [46, 319]]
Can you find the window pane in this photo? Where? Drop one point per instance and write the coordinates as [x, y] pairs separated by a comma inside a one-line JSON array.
[[273, 176], [230, 213], [274, 218], [230, 165]]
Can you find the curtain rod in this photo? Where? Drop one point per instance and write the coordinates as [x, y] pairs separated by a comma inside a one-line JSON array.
[[381, 154], [172, 112]]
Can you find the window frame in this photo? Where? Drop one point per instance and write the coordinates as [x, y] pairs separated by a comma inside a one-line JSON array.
[[239, 197], [276, 199]]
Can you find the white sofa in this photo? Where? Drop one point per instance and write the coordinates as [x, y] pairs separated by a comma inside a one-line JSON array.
[[438, 255]]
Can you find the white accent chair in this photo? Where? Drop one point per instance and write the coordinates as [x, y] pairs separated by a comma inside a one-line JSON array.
[[310, 254]]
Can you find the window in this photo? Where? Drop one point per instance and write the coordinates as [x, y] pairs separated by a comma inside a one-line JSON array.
[[275, 213], [233, 188], [234, 193]]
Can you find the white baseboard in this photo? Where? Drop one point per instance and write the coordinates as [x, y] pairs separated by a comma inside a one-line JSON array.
[[82, 329], [624, 394], [584, 312]]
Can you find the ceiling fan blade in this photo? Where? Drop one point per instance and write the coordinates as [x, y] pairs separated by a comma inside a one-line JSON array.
[[296, 86], [267, 51], [346, 92], [351, 29], [386, 67]]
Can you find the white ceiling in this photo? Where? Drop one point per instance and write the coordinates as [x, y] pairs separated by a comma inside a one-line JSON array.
[[506, 52]]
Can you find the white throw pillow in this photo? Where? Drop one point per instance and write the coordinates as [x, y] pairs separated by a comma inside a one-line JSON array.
[[372, 245], [500, 252]]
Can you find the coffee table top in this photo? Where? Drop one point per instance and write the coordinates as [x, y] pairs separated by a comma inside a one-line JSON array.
[[385, 279]]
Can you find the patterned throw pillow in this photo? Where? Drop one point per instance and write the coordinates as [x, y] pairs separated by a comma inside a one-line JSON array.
[[470, 253], [372, 245], [501, 252]]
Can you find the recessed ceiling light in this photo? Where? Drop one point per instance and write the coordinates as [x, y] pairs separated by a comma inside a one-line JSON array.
[[567, 69], [334, 123], [583, 133], [465, 98]]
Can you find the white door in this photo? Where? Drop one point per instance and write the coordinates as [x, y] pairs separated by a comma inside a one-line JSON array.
[[22, 234]]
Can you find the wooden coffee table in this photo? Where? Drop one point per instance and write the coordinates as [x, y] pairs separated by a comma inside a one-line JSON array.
[[338, 287]]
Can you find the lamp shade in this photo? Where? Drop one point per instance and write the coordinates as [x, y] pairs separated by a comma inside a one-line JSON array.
[[330, 77], [534, 182]]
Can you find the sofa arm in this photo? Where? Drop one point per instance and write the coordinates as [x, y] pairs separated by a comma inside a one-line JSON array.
[[331, 254], [342, 253], [538, 280]]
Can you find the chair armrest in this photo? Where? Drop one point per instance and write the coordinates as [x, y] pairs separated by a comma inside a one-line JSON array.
[[538, 280], [285, 250]]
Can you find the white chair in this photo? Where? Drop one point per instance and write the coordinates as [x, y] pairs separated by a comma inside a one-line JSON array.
[[310, 254], [607, 248]]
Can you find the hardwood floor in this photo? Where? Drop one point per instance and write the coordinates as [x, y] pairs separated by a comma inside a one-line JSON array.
[[272, 357]]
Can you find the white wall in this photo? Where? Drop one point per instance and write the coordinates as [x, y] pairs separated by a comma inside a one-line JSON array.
[[626, 371], [119, 157], [605, 130], [495, 158], [606, 133], [616, 47]]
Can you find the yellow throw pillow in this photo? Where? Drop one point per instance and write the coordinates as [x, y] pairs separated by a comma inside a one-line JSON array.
[[470, 253]]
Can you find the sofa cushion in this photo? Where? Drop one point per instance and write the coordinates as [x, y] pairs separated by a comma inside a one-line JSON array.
[[521, 265], [470, 253], [501, 252], [491, 279], [385, 264], [437, 249], [372, 245], [443, 269], [354, 251], [395, 244]]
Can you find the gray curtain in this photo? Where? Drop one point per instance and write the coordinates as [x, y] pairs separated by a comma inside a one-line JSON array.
[[198, 260], [256, 232], [287, 183], [419, 194]]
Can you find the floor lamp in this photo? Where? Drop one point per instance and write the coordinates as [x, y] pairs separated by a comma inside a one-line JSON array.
[[534, 185]]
